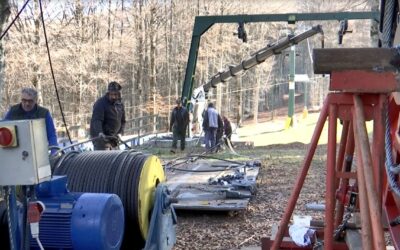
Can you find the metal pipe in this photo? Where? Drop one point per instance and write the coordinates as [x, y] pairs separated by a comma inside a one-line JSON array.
[[372, 196], [330, 178], [260, 56], [342, 149], [315, 207], [301, 176], [339, 165]]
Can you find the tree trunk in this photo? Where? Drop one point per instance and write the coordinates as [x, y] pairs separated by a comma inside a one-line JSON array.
[[168, 27], [256, 96], [81, 58], [5, 13], [239, 97], [374, 32], [152, 52], [140, 65], [36, 78]]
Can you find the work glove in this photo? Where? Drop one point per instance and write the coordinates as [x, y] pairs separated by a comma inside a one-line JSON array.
[[101, 135]]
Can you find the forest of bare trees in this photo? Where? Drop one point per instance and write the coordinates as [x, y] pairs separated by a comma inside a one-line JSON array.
[[144, 44]]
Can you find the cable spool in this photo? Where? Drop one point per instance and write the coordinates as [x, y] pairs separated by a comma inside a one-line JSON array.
[[132, 175]]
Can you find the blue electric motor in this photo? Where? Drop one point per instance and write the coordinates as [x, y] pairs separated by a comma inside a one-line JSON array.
[[78, 220]]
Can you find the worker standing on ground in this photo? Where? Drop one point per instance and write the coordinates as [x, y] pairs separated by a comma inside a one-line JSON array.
[[210, 126], [29, 109], [108, 119], [178, 125]]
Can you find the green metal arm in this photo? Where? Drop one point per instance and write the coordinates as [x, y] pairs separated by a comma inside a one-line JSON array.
[[203, 23]]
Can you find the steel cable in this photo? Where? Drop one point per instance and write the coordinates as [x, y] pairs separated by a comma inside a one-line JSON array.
[[387, 24], [13, 21], [52, 71], [115, 172], [391, 168]]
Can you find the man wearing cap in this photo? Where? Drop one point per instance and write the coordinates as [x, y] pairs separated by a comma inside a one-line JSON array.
[[178, 125], [29, 109], [108, 119]]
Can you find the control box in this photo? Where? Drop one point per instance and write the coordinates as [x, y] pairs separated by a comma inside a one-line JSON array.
[[24, 155]]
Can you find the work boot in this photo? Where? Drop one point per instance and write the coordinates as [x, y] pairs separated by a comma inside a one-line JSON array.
[[172, 151]]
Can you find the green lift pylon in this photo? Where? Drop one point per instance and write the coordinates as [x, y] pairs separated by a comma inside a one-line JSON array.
[[292, 71]]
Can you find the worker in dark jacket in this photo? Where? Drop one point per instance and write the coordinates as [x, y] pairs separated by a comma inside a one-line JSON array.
[[29, 109], [178, 125], [227, 131], [220, 133], [108, 119]]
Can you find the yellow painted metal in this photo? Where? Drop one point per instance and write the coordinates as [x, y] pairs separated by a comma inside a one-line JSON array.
[[288, 123], [305, 113], [151, 175]]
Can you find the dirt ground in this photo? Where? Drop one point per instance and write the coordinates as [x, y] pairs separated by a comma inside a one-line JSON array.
[[281, 163]]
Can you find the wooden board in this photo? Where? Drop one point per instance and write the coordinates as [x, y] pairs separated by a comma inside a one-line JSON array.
[[369, 59]]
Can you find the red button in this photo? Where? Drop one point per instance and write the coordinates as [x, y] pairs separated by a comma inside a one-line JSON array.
[[6, 137], [35, 210]]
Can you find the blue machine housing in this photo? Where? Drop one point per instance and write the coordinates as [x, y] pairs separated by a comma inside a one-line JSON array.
[[78, 220]]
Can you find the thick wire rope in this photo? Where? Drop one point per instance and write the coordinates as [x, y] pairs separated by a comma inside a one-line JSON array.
[[52, 72], [387, 24], [13, 21], [391, 168], [111, 171]]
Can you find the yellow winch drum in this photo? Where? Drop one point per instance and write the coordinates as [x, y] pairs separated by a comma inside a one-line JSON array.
[[132, 175]]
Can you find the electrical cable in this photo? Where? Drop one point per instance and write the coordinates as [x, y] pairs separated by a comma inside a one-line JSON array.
[[39, 243], [52, 72], [13, 21]]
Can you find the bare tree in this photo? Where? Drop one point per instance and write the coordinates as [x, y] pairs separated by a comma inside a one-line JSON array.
[[144, 44], [4, 14]]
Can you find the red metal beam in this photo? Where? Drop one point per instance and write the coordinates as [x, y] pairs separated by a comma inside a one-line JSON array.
[[358, 81], [362, 196], [344, 174], [372, 196], [378, 152], [330, 178]]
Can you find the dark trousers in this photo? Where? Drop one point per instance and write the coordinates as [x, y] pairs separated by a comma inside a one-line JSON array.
[[178, 135], [210, 138]]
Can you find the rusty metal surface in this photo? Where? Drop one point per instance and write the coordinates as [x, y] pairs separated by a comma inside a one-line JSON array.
[[364, 207], [359, 109], [330, 178], [373, 197], [358, 81]]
